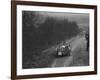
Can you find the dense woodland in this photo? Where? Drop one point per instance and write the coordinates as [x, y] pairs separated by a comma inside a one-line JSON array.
[[49, 33]]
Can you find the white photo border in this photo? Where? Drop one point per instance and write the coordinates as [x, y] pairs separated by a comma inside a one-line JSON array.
[[21, 71]]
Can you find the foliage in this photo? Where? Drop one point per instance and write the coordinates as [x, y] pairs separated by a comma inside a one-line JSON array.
[[51, 32]]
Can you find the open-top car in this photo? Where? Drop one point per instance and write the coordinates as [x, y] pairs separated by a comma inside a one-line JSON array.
[[63, 50]]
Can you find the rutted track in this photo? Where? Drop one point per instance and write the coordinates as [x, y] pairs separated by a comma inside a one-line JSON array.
[[76, 43]]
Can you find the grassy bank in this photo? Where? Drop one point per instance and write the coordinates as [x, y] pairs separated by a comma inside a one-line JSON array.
[[80, 55], [39, 60]]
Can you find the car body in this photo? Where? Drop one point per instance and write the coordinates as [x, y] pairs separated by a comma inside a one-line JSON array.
[[64, 50]]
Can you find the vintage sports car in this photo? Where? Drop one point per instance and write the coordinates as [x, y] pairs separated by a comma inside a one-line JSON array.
[[64, 50]]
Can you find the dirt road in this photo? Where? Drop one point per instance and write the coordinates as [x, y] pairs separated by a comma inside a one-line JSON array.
[[77, 43]]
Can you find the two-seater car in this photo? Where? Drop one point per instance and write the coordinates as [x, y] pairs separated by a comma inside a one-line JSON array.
[[63, 50]]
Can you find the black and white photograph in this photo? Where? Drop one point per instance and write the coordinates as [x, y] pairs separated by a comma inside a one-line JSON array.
[[55, 39]]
